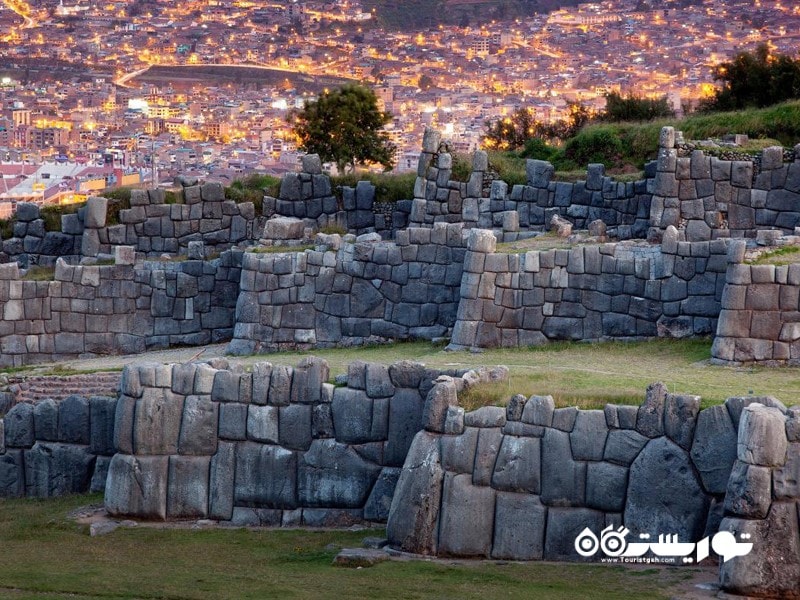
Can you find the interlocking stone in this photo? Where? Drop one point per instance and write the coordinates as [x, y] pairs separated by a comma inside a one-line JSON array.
[[664, 494]]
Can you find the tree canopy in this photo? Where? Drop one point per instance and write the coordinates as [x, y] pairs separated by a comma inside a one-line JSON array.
[[513, 131], [755, 79], [621, 108], [344, 126]]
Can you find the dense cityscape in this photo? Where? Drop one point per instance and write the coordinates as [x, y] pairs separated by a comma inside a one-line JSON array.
[[84, 90]]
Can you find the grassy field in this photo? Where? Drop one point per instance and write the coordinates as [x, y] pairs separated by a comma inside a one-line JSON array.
[[585, 374], [48, 556]]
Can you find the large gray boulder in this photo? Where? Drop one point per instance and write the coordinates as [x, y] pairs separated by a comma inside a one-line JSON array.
[[380, 498], [664, 494], [221, 482], [187, 492], [588, 436], [623, 446], [749, 491], [680, 418], [309, 375], [101, 416], [772, 567], [458, 451], [73, 420], [564, 525], [441, 396], [519, 527], [405, 420], [266, 476], [762, 436], [53, 469], [414, 516], [333, 475], [518, 465], [19, 426], [606, 486], [137, 486], [650, 420], [157, 422], [45, 420], [199, 426], [786, 479], [563, 479], [353, 417], [467, 519], [714, 448], [12, 474]]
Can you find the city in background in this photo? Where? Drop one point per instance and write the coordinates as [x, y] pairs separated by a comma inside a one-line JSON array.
[[97, 95]]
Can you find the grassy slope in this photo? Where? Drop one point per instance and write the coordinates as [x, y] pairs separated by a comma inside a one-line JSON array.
[[47, 556], [618, 145], [588, 375]]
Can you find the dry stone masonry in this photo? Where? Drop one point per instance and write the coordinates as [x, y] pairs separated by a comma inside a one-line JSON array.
[[282, 446], [593, 292], [346, 293], [273, 445], [442, 277], [516, 213], [55, 448], [118, 308], [523, 482]]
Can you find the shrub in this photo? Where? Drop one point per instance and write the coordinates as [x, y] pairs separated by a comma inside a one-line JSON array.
[[596, 145], [51, 214]]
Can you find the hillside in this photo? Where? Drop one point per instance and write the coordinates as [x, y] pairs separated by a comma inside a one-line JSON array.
[[420, 14], [624, 147]]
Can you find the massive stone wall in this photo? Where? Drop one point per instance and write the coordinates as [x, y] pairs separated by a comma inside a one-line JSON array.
[[272, 445], [56, 448], [351, 293], [116, 309], [308, 196], [154, 227], [593, 292], [760, 316], [709, 197], [32, 244], [522, 483], [151, 226], [486, 203]]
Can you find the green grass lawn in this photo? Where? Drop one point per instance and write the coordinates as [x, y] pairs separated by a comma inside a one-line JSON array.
[[48, 556], [585, 374]]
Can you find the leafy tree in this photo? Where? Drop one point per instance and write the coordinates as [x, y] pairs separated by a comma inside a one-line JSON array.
[[635, 108], [514, 131], [344, 126], [755, 79], [425, 82]]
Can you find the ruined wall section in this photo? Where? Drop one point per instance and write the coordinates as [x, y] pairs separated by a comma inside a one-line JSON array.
[[351, 293], [53, 448], [760, 316], [272, 445], [154, 227], [706, 197], [488, 203], [523, 483], [594, 292], [121, 308]]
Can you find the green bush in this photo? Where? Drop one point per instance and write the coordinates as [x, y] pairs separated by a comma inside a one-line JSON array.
[[388, 187], [598, 144], [51, 214], [6, 228], [462, 166], [538, 149]]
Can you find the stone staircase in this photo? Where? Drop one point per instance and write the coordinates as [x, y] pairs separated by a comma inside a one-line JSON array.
[[34, 388]]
